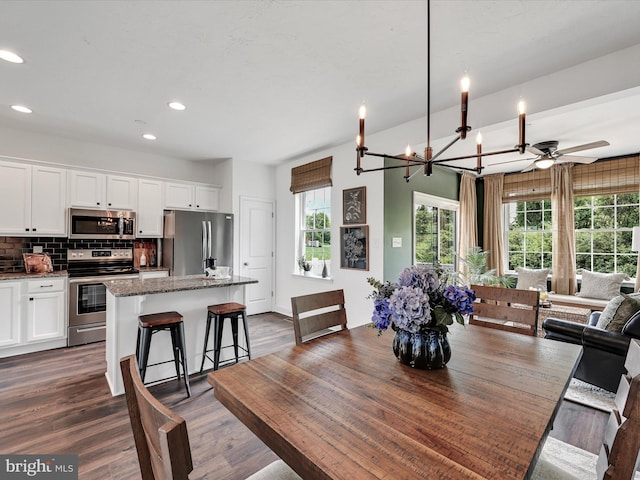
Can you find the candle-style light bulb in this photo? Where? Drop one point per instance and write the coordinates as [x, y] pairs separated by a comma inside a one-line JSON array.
[[522, 107], [464, 83], [407, 151], [479, 152], [358, 140], [479, 138], [363, 111]]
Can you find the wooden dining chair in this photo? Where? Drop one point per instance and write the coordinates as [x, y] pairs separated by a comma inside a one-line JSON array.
[[161, 436], [619, 456], [507, 309], [314, 315]]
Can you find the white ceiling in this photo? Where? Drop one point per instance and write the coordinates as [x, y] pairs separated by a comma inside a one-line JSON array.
[[269, 81]]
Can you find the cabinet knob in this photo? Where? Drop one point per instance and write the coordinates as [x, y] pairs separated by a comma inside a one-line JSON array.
[[31, 299], [197, 206], [109, 204], [33, 229], [26, 229], [189, 204], [97, 203], [140, 231]]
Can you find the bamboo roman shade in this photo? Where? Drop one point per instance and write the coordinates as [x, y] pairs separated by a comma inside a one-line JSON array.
[[311, 176], [527, 186], [607, 177]]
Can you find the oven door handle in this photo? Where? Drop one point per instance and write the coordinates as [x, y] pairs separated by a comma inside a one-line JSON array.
[[90, 329]]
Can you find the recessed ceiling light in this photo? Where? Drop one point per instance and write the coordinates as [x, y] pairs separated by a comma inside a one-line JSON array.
[[21, 109], [177, 106], [10, 57], [149, 136]]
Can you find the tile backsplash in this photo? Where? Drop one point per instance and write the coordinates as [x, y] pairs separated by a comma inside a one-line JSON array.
[[12, 248]]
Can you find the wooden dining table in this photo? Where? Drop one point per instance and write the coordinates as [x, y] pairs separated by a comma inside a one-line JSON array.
[[343, 407]]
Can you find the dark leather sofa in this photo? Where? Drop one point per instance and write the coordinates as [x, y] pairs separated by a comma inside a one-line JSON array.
[[604, 352]]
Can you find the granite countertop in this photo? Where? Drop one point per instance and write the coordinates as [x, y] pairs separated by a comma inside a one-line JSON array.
[[28, 276], [129, 288]]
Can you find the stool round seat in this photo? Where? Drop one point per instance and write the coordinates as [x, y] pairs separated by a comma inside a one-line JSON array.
[[157, 319], [218, 313], [152, 323]]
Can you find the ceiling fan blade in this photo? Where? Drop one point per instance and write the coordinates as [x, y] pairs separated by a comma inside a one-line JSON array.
[[532, 166], [586, 146], [534, 150], [575, 159]]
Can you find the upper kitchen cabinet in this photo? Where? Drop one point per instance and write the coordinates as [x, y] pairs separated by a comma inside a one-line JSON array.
[[102, 192], [32, 200], [149, 215], [186, 196]]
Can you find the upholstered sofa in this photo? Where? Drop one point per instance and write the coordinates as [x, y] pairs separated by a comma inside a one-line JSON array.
[[604, 353]]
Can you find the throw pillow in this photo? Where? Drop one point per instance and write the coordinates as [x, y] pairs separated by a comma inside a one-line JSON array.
[[618, 311], [603, 286], [535, 279]]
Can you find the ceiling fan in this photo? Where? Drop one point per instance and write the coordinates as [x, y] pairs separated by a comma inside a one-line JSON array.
[[548, 154]]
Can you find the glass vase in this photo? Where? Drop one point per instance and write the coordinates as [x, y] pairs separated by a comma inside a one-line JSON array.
[[428, 350]]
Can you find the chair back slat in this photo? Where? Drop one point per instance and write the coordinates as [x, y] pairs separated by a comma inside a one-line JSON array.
[[507, 309], [620, 453], [315, 314], [632, 362], [161, 437]]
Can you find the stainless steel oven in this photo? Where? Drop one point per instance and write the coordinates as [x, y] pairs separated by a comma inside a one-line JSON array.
[[88, 269]]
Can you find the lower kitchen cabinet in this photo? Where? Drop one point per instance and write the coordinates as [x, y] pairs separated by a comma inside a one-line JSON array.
[[35, 312], [46, 302], [11, 312]]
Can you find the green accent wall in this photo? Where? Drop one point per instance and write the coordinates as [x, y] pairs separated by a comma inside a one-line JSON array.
[[398, 210]]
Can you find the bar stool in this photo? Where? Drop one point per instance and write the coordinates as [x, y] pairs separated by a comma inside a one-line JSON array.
[[157, 322], [218, 313]]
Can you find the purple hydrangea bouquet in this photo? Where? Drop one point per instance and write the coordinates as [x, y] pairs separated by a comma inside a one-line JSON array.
[[419, 301]]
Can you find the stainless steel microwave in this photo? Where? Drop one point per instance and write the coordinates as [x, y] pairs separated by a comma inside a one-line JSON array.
[[101, 224]]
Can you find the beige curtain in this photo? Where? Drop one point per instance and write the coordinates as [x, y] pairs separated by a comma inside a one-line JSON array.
[[493, 232], [468, 216], [563, 277]]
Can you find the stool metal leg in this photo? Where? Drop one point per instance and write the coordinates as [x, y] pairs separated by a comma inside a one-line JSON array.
[[183, 350], [206, 341], [246, 334], [145, 342], [176, 348], [234, 334], [217, 339]]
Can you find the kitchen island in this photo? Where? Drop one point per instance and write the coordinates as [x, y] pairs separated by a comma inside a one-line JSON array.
[[190, 296]]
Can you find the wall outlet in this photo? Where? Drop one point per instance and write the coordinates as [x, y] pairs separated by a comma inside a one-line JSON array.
[[37, 249], [396, 242]]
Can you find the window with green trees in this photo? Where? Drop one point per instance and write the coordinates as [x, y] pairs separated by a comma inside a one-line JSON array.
[[603, 225], [315, 224], [529, 239], [603, 232], [435, 230]]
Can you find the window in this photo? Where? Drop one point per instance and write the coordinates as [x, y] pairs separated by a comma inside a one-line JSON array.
[[435, 227], [603, 225], [529, 240], [603, 232], [314, 232]]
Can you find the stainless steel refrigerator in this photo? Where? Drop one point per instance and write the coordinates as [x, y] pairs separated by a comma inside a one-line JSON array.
[[192, 237]]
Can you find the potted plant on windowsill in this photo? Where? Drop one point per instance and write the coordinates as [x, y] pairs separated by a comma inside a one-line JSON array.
[[305, 267]]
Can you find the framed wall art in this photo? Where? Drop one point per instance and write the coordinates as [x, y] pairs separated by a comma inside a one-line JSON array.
[[354, 206], [354, 247]]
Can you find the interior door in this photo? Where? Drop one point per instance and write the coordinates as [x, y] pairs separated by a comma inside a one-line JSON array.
[[256, 252]]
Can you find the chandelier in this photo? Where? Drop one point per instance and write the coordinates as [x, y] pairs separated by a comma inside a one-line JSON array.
[[429, 159]]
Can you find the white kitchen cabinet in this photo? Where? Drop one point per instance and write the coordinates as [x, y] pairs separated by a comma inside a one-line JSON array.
[[188, 196], [122, 192], [102, 192], [45, 309], [32, 200], [87, 190], [179, 196], [11, 313], [207, 198], [150, 212]]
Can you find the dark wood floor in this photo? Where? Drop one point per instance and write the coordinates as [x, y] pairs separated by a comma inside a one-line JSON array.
[[58, 402]]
